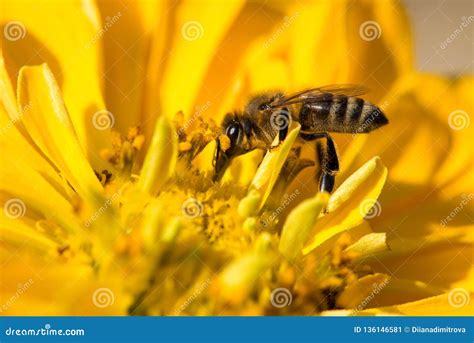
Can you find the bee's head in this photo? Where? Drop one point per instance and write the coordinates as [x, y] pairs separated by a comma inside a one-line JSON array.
[[230, 144]]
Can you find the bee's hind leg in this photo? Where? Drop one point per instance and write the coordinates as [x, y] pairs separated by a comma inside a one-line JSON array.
[[328, 160], [327, 175]]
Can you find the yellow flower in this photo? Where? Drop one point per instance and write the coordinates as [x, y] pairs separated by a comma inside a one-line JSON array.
[[108, 115]]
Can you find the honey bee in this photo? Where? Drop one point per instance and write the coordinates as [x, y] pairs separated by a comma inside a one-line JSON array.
[[320, 111]]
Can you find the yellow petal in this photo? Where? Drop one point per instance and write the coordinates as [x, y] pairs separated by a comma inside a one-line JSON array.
[[373, 172], [359, 294], [448, 252], [127, 35], [22, 235], [198, 30], [440, 305], [66, 44], [400, 291], [419, 107], [358, 39], [268, 171], [49, 126], [259, 70], [349, 158], [23, 164], [156, 227], [250, 204], [160, 159], [313, 64], [379, 44], [171, 231], [369, 244], [355, 233], [243, 168], [30, 187], [298, 225], [252, 76], [238, 279], [251, 79], [351, 202], [7, 94], [243, 52], [158, 43], [153, 221], [14, 144], [37, 282]]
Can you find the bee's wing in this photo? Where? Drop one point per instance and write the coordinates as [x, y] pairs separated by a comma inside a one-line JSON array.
[[345, 89], [321, 94]]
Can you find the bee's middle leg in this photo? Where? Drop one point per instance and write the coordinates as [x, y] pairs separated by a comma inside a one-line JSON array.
[[328, 160]]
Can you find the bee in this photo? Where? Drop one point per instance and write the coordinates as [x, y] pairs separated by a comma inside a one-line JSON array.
[[320, 111]]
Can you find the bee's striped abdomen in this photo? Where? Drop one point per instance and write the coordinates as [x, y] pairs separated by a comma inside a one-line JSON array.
[[340, 114], [337, 113], [370, 118], [354, 110]]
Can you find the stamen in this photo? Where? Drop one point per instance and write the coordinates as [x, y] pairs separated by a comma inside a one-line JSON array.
[[124, 150], [104, 176]]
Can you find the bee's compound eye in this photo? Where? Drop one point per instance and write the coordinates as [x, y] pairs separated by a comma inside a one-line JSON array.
[[233, 132]]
